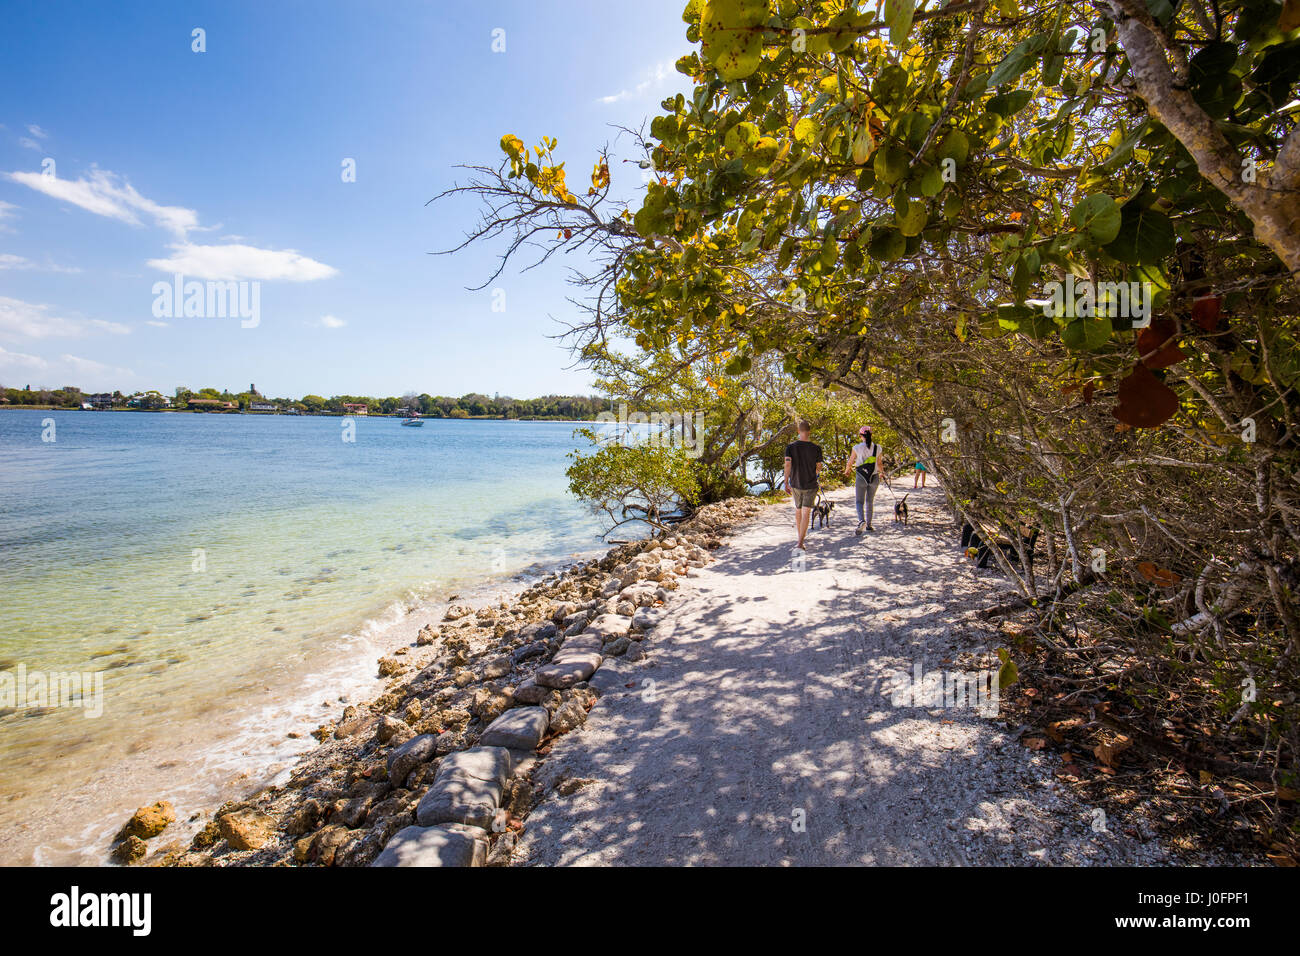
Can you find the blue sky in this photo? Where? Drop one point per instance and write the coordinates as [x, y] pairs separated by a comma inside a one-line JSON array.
[[228, 163]]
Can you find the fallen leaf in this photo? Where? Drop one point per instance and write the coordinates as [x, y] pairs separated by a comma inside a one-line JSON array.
[[1161, 576], [1034, 743], [1108, 753]]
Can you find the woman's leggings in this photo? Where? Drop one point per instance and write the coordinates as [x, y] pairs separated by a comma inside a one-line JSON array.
[[864, 490]]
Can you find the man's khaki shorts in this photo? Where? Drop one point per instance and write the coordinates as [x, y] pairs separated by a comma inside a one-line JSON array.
[[804, 497]]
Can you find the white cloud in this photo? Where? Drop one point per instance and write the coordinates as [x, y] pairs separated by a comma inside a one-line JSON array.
[[27, 143], [65, 370], [85, 366], [6, 212], [19, 360], [32, 321], [235, 261], [156, 324], [654, 78], [9, 261], [107, 194], [37, 131], [331, 322]]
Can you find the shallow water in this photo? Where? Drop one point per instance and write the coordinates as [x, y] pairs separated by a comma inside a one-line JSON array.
[[229, 578]]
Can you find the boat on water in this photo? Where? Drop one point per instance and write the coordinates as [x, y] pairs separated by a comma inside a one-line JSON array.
[[412, 422]]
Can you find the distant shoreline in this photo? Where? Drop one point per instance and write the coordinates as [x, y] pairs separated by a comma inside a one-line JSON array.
[[194, 411]]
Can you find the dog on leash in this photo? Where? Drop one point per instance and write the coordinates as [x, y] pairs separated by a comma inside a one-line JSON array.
[[900, 510], [822, 512]]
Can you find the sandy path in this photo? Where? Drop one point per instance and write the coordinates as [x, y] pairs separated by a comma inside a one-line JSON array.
[[759, 704]]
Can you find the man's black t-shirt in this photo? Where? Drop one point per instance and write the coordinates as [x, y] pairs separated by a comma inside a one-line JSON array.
[[803, 456]]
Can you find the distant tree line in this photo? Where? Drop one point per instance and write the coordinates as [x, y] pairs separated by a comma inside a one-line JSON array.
[[473, 405]]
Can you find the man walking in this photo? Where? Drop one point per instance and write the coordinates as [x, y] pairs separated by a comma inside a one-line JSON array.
[[803, 463], [867, 460]]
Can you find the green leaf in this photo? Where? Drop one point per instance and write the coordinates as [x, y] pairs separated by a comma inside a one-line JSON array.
[[898, 14], [1145, 236], [1087, 334], [1098, 217], [1021, 58], [732, 35]]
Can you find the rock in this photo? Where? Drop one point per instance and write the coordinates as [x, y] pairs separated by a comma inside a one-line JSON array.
[[563, 611], [413, 712], [467, 788], [434, 846], [246, 829], [489, 704], [502, 849], [389, 667], [568, 671], [529, 651], [303, 818], [453, 718], [634, 653], [456, 611], [625, 608], [206, 837], [609, 626], [148, 822], [618, 647], [352, 813], [498, 667], [390, 729], [131, 849], [569, 717], [541, 631], [481, 763], [410, 755], [428, 634], [361, 849], [353, 727], [518, 729], [452, 741], [325, 844], [530, 692], [324, 732]]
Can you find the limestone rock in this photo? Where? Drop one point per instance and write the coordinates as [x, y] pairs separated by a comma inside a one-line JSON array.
[[148, 822], [434, 846], [246, 829], [518, 729]]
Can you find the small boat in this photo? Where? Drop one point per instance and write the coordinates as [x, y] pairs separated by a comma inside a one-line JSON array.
[[413, 422]]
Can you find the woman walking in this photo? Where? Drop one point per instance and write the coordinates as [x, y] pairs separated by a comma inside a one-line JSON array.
[[868, 460]]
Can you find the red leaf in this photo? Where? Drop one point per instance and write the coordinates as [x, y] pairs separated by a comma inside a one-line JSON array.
[[1087, 393], [1144, 400], [1155, 335], [1205, 312], [1155, 346]]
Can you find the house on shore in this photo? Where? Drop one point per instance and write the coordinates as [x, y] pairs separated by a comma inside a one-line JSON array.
[[210, 405], [358, 409], [262, 407]]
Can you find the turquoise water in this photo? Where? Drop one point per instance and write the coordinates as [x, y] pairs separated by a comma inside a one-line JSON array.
[[228, 578]]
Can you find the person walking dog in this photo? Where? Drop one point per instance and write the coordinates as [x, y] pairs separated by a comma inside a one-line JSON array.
[[867, 460], [803, 465]]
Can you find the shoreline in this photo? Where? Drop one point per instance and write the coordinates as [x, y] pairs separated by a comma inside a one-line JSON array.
[[458, 671], [267, 732]]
